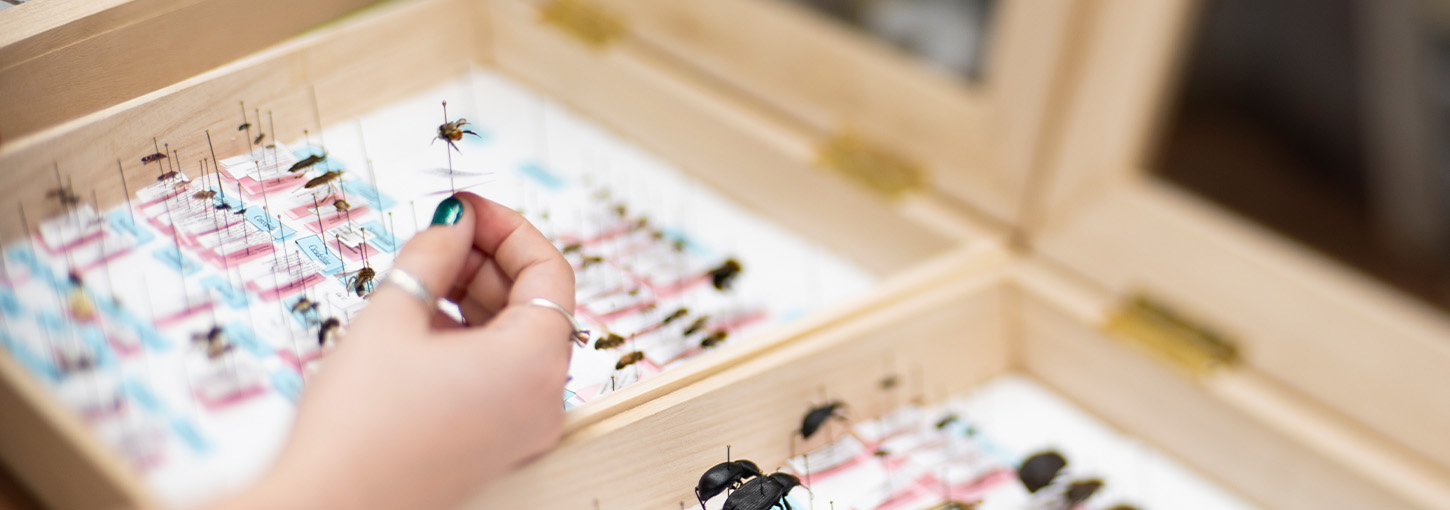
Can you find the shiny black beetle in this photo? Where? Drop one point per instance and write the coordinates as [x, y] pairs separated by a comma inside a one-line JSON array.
[[818, 416], [763, 493], [1039, 470], [725, 475]]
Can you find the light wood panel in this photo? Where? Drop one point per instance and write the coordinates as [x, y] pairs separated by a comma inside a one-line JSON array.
[[53, 452], [1363, 350], [757, 159], [401, 57], [979, 143], [117, 54], [1137, 394], [652, 455]]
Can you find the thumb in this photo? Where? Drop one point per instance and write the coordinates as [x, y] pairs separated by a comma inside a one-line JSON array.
[[435, 257]]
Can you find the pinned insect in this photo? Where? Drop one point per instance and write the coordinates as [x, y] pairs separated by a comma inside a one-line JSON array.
[[724, 276], [1040, 469], [609, 341], [453, 131], [678, 314], [65, 196], [326, 179], [152, 158], [304, 306], [571, 248], [954, 505], [947, 420], [81, 306], [245, 125], [715, 338], [260, 136], [696, 326], [306, 163], [205, 194], [818, 415], [590, 260], [725, 475], [216, 342], [167, 176], [629, 359], [341, 205], [763, 493], [1079, 491], [890, 382], [328, 332], [362, 280]]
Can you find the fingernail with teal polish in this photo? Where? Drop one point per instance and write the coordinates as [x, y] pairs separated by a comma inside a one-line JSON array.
[[449, 212]]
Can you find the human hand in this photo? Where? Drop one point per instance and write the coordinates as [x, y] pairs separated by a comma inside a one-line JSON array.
[[414, 410]]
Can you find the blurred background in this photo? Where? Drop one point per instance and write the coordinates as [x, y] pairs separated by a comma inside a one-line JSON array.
[[1327, 121]]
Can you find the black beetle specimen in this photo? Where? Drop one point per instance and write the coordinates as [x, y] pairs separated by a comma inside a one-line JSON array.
[[725, 475], [1079, 491], [1039, 470], [714, 339], [696, 326], [674, 316], [818, 416], [763, 493], [722, 277], [328, 330]]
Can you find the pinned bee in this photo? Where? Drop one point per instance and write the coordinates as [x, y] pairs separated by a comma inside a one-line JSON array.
[[629, 359], [451, 132], [723, 277], [361, 281]]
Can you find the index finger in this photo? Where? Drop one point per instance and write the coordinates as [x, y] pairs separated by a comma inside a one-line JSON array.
[[524, 255]]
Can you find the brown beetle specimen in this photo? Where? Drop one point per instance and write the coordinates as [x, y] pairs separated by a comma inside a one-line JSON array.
[[609, 341], [324, 179], [152, 158], [306, 163]]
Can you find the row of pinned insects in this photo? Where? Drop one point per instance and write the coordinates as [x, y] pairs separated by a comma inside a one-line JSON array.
[[752, 489]]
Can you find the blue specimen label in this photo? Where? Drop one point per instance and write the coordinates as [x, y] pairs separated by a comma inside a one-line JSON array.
[[366, 191], [381, 239], [169, 256], [229, 294], [314, 248], [541, 175]]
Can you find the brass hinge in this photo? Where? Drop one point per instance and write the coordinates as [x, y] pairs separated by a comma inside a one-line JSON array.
[[1188, 344], [593, 24], [877, 167]]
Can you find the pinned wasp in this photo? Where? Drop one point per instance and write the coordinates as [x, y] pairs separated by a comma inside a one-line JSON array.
[[453, 131]]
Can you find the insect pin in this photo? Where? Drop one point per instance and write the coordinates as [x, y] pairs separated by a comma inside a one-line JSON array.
[[818, 415], [723, 277], [361, 280], [306, 163], [329, 331], [725, 475], [453, 131], [609, 341], [1040, 469], [629, 359], [763, 493], [152, 158]]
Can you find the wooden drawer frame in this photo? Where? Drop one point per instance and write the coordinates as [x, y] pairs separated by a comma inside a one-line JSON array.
[[1080, 204]]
